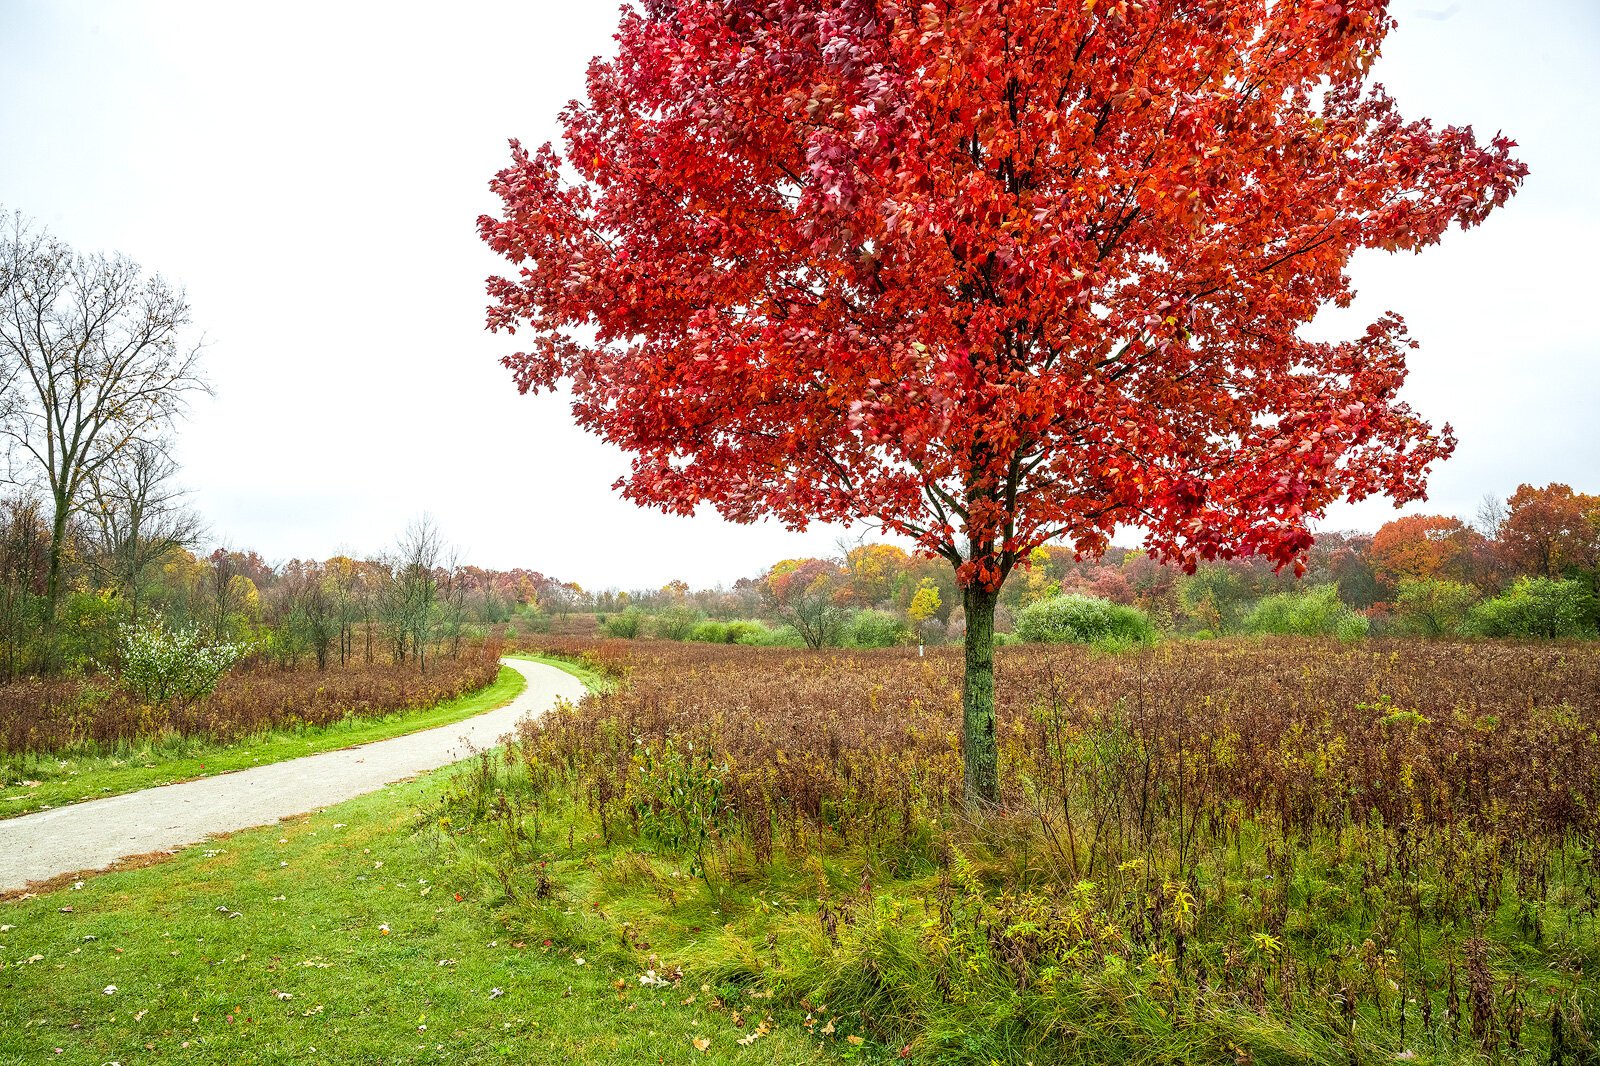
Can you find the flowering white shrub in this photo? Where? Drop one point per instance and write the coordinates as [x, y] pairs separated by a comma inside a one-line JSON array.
[[160, 665]]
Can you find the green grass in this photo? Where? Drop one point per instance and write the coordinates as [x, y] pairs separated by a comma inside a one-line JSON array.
[[361, 933], [908, 962], [737, 933], [59, 780], [269, 946], [593, 679]]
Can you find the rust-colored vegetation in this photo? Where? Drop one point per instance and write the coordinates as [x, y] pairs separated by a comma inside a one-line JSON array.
[[55, 715], [1290, 848]]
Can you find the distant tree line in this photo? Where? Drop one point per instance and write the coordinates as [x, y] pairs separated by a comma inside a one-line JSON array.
[[98, 359], [1527, 566]]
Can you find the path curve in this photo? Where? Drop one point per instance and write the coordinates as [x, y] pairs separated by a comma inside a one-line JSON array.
[[96, 834]]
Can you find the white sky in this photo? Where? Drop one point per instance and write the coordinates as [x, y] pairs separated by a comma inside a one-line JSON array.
[[312, 173]]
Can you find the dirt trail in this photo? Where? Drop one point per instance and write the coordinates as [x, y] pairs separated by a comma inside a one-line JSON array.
[[96, 834]]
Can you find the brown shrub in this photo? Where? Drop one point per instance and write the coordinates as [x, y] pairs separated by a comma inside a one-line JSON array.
[[57, 715], [1305, 735]]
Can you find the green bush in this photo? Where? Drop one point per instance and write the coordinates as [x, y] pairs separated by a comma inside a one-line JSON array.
[[85, 632], [676, 623], [1312, 612], [161, 665], [710, 632], [1214, 597], [1535, 607], [761, 636], [1432, 608], [1079, 619], [625, 625], [875, 629], [743, 631]]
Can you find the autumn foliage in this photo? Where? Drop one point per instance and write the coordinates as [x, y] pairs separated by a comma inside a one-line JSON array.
[[1021, 270], [1419, 548], [992, 274], [1551, 529]]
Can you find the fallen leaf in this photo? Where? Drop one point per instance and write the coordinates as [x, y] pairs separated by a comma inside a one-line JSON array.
[[757, 1033]]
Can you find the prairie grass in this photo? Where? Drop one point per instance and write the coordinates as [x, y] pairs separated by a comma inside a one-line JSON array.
[[1219, 852], [94, 713]]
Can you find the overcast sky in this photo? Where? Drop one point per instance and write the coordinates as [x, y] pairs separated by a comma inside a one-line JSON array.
[[312, 173]]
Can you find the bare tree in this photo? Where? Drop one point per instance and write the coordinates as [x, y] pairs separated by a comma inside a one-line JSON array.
[[137, 517], [94, 357], [453, 584], [23, 549], [407, 605], [1492, 512]]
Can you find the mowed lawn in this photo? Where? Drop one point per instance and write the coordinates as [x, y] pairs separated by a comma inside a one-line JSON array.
[[349, 935], [335, 937]]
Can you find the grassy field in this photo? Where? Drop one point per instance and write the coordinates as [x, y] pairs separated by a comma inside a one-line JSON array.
[[368, 932], [337, 937], [1224, 854], [38, 781], [592, 676], [1229, 852]]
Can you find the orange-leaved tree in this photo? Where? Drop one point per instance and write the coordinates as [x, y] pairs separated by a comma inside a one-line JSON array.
[[1420, 548], [992, 273], [1548, 530]]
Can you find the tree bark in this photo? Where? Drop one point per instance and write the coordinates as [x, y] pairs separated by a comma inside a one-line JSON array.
[[58, 541], [48, 652], [980, 755]]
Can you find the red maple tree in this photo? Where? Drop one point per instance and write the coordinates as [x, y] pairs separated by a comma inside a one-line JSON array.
[[992, 273]]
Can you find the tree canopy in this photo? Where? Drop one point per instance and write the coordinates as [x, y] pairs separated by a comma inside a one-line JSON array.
[[992, 273]]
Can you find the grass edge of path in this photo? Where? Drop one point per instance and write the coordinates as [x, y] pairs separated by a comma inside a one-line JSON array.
[[392, 951], [592, 679]]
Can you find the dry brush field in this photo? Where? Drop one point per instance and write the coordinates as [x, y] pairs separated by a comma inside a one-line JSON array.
[[1236, 851], [67, 714]]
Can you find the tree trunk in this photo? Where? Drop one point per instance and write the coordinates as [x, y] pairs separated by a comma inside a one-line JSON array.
[[58, 542], [49, 658], [979, 754]]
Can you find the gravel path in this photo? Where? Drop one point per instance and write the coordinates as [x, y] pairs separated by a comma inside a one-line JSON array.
[[96, 834]]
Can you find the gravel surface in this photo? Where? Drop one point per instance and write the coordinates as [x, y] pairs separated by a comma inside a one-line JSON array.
[[96, 834]]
